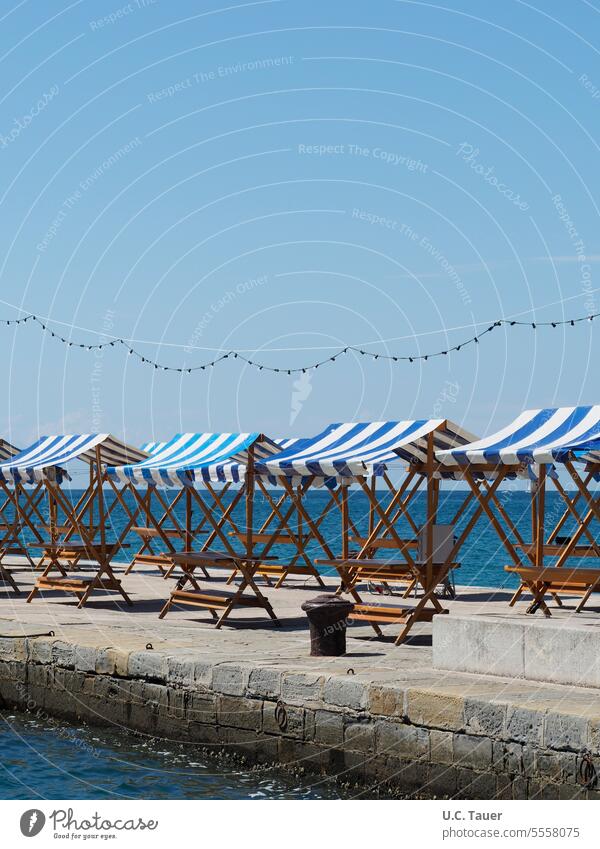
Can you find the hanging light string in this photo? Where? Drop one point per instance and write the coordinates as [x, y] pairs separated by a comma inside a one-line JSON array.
[[112, 342]]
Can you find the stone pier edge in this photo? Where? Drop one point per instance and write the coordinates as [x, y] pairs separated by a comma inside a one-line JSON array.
[[402, 738]]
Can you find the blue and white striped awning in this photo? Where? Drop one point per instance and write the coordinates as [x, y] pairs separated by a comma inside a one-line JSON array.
[[284, 444], [51, 452], [7, 450], [152, 447], [536, 436], [348, 450], [237, 471], [191, 458]]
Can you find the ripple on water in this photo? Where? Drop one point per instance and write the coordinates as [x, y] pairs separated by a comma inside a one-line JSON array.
[[60, 760]]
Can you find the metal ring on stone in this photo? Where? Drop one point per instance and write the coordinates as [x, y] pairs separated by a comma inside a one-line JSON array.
[[350, 671], [281, 715], [51, 633], [149, 646], [586, 774]]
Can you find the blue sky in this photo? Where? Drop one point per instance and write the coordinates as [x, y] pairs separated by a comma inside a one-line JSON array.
[[286, 178]]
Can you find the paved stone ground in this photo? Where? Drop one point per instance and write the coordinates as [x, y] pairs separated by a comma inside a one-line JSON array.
[[251, 637], [395, 721]]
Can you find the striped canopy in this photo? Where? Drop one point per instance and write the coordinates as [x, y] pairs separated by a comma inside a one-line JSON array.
[[346, 450], [152, 447], [30, 465], [536, 436], [284, 444], [7, 450], [195, 457], [237, 471]]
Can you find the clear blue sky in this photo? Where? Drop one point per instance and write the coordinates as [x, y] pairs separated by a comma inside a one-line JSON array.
[[287, 177]]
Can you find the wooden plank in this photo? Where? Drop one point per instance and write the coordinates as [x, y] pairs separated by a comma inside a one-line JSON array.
[[398, 614], [540, 528], [364, 561], [385, 575], [162, 559], [200, 558], [275, 569], [153, 532], [215, 599], [385, 543], [555, 550], [555, 574], [113, 583], [277, 539], [379, 617]]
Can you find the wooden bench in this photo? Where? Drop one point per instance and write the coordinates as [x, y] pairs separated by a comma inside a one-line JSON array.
[[396, 615], [385, 572], [370, 570], [556, 549], [82, 588], [405, 615], [71, 551], [265, 538], [217, 600], [160, 560], [270, 569], [66, 555], [211, 600], [59, 555], [556, 581], [386, 542]]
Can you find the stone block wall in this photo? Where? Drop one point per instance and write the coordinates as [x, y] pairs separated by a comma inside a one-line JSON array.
[[398, 739]]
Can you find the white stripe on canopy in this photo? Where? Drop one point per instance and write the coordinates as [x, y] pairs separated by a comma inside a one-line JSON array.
[[190, 458], [31, 463], [535, 436], [350, 449]]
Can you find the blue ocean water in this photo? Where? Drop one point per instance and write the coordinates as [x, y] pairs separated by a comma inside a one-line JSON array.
[[44, 758], [482, 557]]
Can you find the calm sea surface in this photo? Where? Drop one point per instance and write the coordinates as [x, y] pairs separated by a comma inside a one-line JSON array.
[[482, 558]]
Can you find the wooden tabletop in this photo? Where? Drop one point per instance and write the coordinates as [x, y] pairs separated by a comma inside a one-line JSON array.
[[56, 545], [552, 574], [363, 561], [556, 550], [209, 556], [383, 564], [388, 542], [168, 532], [276, 539]]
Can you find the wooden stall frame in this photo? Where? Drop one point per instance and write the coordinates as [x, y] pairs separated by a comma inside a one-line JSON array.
[[101, 552]]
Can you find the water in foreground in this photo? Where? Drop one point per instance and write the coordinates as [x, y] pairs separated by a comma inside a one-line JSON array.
[[52, 759]]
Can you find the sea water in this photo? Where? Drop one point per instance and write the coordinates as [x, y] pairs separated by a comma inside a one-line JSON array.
[[51, 759], [482, 557]]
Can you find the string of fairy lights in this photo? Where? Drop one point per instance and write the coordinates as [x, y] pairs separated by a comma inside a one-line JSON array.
[[112, 342]]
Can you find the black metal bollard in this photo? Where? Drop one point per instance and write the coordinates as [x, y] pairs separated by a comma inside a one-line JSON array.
[[327, 616]]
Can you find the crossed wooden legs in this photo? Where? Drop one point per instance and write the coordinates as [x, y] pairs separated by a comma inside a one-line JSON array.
[[7, 578], [215, 600], [102, 553]]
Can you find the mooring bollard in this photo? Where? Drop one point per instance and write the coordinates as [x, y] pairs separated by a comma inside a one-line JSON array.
[[327, 616]]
